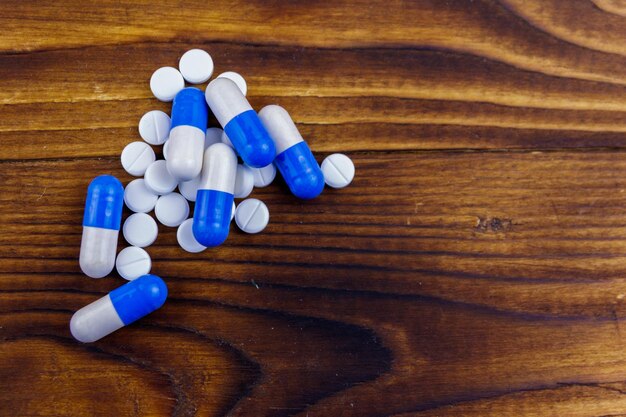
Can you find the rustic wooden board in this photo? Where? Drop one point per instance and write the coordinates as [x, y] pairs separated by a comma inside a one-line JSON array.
[[476, 266]]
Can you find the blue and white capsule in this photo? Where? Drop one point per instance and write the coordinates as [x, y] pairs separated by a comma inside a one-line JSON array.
[[214, 199], [241, 123], [101, 226], [119, 308], [186, 142], [294, 159]]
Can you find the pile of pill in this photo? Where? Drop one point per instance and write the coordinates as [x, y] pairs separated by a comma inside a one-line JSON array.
[[209, 166]]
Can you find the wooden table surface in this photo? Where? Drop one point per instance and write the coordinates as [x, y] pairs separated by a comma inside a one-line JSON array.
[[475, 267]]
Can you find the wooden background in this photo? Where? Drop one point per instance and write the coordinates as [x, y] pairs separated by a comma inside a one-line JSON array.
[[475, 267]]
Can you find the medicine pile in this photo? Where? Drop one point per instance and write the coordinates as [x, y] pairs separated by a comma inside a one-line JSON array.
[[209, 166]]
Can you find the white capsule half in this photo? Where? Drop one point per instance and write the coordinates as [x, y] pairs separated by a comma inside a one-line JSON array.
[[184, 152], [97, 251], [281, 127], [95, 320], [220, 169], [188, 127], [225, 100]]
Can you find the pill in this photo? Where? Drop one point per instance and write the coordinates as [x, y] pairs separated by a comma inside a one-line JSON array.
[[119, 308], [237, 79], [196, 66], [264, 176], [140, 230], [252, 215], [189, 189], [166, 82], [158, 179], [232, 213], [185, 237], [294, 159], [165, 149], [138, 197], [136, 157], [213, 135], [214, 200], [101, 226], [227, 141], [171, 209], [338, 170], [133, 262], [242, 125], [154, 127], [244, 181], [187, 134]]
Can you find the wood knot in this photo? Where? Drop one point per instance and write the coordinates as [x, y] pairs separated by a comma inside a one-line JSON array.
[[493, 224], [617, 7]]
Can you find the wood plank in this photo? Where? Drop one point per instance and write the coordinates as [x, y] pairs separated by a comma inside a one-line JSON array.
[[425, 354], [475, 267], [95, 72], [475, 284], [489, 28], [404, 100], [601, 29], [437, 224]]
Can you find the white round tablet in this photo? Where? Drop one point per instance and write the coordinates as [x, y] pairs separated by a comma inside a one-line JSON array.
[[136, 157], [196, 66], [244, 181], [189, 189], [133, 262], [264, 176], [338, 170], [138, 197], [237, 79], [140, 230], [165, 147], [154, 127], [171, 209], [252, 215], [213, 136], [166, 82], [232, 213], [158, 178], [185, 237]]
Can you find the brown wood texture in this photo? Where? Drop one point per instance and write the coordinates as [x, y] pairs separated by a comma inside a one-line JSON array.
[[475, 267]]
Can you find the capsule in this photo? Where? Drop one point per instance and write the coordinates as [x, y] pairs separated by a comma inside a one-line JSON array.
[[294, 159], [101, 226], [186, 142], [214, 199], [119, 308], [241, 123]]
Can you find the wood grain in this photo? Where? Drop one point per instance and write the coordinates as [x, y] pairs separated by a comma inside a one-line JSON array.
[[475, 267]]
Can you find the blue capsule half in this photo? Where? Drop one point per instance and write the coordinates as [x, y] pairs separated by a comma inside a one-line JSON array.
[[250, 139], [211, 217], [301, 171], [190, 109], [138, 298], [105, 200]]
